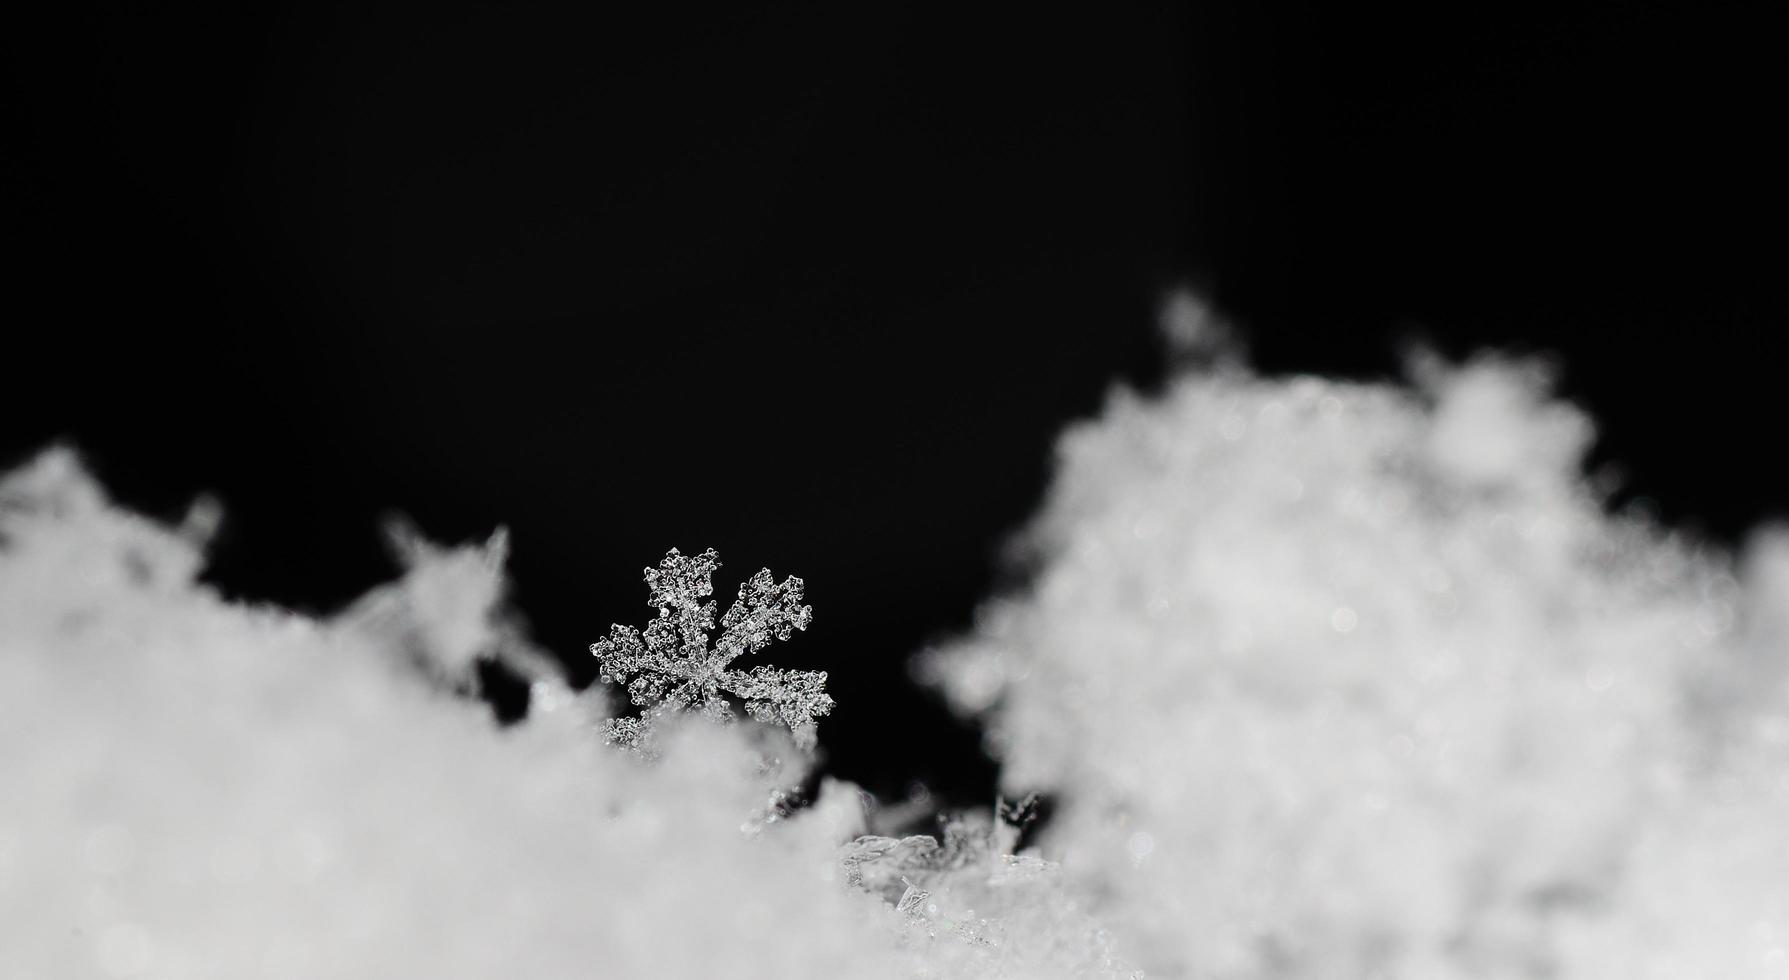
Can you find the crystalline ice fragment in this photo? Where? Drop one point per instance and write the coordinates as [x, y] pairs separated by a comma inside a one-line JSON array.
[[674, 668]]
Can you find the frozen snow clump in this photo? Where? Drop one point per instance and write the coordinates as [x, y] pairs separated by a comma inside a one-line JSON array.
[[1360, 680], [198, 788]]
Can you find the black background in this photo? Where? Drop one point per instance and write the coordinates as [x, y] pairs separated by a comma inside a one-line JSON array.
[[817, 285]]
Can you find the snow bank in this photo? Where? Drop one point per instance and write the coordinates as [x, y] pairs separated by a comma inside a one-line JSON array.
[[200, 789], [1325, 680], [1361, 680]]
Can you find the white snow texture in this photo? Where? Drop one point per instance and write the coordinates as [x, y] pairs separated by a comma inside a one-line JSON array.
[[1324, 680], [194, 788], [1362, 681]]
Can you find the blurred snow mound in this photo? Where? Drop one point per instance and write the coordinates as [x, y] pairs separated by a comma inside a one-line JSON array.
[[1361, 680], [195, 788], [1326, 680]]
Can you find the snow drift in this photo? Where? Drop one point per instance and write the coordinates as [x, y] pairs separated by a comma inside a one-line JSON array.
[[1324, 680], [196, 788], [1363, 681]]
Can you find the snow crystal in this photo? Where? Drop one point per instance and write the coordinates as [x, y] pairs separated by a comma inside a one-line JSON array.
[[672, 667]]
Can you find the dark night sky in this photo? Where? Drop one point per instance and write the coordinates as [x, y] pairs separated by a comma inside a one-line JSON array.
[[817, 285]]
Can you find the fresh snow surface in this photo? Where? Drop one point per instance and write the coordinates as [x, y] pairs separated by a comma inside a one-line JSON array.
[[1320, 680], [197, 788], [1342, 680]]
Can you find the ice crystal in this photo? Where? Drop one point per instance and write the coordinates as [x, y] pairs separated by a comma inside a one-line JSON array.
[[1028, 923], [669, 667]]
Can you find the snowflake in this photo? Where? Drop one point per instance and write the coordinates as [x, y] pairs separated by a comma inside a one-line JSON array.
[[669, 667]]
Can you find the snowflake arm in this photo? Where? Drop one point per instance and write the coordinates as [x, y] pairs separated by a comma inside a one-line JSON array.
[[764, 611], [629, 732], [796, 698]]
